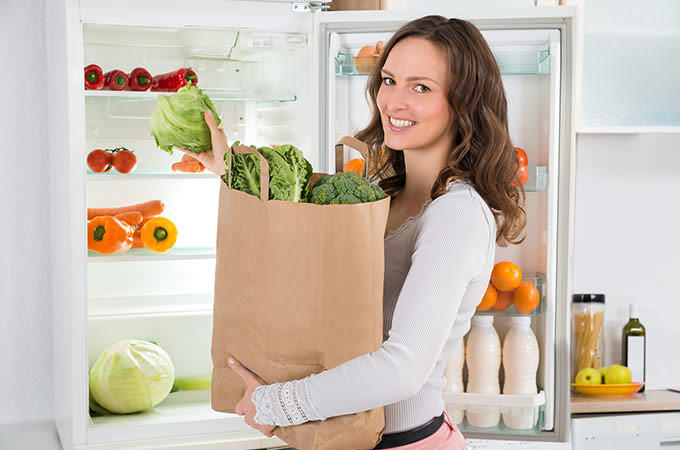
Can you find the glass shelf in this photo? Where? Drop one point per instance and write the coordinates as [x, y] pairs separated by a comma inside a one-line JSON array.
[[216, 95], [113, 175], [538, 279], [140, 254], [538, 179], [531, 408], [529, 60]]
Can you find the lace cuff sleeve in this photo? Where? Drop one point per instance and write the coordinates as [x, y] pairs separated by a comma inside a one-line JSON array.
[[284, 404]]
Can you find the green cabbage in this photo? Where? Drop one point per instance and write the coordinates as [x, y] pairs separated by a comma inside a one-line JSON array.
[[130, 376], [289, 173], [177, 120]]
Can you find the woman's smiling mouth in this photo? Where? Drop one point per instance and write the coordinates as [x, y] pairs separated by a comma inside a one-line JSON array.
[[400, 124]]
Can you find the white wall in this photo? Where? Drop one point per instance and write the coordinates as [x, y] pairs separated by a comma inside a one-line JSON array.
[[626, 243], [25, 306]]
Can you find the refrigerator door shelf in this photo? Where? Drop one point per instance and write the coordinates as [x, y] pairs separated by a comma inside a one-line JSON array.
[[530, 407], [538, 279], [525, 60]]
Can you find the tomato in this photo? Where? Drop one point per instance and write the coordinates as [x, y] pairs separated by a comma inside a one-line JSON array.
[[124, 161], [522, 174], [99, 161], [521, 157]]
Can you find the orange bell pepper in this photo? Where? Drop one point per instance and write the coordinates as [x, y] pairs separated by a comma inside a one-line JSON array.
[[106, 234]]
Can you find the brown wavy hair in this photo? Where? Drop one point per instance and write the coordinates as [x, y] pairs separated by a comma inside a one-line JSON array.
[[482, 154]]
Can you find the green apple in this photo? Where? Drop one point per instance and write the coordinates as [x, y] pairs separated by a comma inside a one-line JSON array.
[[617, 374], [603, 372], [588, 375]]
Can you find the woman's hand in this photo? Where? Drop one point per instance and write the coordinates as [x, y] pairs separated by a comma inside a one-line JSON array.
[[213, 159], [245, 406]]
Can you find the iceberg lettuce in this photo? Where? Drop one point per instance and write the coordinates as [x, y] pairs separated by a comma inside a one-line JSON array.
[[130, 376], [177, 120]]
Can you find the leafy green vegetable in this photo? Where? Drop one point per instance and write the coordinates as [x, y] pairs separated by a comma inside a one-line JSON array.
[[131, 376], [289, 173], [344, 188], [192, 384], [177, 120]]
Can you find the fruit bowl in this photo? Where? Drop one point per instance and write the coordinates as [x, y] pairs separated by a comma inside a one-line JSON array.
[[607, 390], [365, 64]]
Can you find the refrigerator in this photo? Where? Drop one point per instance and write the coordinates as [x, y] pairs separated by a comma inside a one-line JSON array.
[[278, 71]]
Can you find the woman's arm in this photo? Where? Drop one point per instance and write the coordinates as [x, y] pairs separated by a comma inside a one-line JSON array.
[[451, 248]]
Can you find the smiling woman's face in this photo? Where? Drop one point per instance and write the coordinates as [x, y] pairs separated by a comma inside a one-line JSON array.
[[412, 98]]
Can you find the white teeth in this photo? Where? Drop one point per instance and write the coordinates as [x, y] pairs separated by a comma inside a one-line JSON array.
[[401, 123]]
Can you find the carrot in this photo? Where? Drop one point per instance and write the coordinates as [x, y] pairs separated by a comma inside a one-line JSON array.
[[137, 239], [148, 209], [132, 218], [188, 166]]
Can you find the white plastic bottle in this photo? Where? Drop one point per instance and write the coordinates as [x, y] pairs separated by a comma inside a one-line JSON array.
[[454, 380], [520, 361], [483, 358]]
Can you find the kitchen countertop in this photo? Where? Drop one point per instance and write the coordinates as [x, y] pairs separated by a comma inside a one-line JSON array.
[[650, 400]]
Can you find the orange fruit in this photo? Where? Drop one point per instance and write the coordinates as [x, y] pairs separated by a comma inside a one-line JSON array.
[[367, 50], [489, 299], [526, 297], [506, 276], [355, 165], [504, 300]]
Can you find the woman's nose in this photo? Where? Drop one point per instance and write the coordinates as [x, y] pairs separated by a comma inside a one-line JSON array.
[[396, 101]]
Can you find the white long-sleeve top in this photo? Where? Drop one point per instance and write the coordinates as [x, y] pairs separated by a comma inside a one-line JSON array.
[[437, 268]]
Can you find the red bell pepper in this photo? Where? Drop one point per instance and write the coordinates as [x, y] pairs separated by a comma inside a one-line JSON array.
[[140, 79], [116, 80], [171, 81], [94, 77]]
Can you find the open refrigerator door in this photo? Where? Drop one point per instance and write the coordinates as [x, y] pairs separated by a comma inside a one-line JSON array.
[[533, 48]]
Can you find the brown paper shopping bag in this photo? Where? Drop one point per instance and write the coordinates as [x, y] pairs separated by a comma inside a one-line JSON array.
[[298, 290]]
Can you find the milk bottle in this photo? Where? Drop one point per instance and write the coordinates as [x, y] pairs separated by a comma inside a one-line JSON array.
[[483, 357], [454, 380], [520, 361]]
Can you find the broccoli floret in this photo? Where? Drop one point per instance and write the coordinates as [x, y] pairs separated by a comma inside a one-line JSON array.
[[344, 188]]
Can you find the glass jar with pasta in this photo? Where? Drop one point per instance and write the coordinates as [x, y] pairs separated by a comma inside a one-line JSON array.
[[587, 329]]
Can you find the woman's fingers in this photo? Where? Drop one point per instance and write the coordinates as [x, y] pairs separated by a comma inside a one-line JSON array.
[[219, 139], [249, 377], [219, 144]]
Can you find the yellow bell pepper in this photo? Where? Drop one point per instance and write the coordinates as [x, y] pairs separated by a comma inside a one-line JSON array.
[[159, 234]]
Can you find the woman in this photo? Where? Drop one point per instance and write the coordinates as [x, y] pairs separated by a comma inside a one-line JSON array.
[[439, 133]]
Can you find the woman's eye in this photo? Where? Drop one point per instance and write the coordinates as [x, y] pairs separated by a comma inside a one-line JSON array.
[[422, 88], [388, 81]]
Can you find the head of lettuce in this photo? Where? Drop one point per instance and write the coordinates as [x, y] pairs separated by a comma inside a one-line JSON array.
[[177, 120], [130, 376]]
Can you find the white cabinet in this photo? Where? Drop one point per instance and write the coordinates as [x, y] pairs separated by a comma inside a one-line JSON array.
[[631, 66], [626, 432]]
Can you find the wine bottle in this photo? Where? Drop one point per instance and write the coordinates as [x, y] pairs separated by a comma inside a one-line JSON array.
[[634, 346]]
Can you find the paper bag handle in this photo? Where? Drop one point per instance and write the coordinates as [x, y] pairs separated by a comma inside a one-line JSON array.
[[264, 168], [354, 143]]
